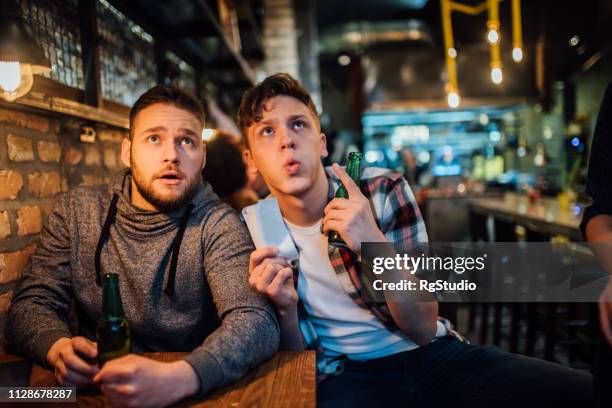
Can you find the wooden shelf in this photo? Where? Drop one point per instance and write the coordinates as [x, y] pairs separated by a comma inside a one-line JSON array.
[[72, 108]]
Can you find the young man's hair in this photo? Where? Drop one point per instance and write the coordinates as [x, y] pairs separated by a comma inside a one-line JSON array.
[[253, 100], [171, 95]]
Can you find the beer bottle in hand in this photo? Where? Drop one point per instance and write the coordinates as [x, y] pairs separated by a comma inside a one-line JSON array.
[[354, 171], [113, 331]]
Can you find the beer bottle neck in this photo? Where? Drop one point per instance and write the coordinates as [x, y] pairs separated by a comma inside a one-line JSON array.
[[111, 298], [354, 166]]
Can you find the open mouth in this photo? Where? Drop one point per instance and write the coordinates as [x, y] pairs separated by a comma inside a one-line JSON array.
[[170, 177], [292, 166]]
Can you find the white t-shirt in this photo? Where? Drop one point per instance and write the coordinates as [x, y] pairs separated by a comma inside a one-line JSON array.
[[343, 327]]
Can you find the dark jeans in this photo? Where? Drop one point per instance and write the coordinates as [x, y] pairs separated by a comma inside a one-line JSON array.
[[449, 373]]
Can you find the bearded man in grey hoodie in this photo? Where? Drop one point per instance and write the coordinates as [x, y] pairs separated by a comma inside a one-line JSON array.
[[182, 257]]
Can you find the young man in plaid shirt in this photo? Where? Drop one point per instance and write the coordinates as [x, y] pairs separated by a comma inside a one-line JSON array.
[[369, 354]]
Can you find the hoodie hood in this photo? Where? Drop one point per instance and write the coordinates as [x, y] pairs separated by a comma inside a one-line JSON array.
[[140, 223]]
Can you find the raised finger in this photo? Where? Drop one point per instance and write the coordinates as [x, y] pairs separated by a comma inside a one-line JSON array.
[[348, 182]]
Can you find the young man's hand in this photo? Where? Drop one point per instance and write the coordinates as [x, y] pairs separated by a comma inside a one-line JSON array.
[[352, 218], [136, 381], [68, 356], [272, 276]]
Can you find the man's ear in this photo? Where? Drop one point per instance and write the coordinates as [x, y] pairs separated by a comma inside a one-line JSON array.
[[126, 153], [250, 163], [324, 152]]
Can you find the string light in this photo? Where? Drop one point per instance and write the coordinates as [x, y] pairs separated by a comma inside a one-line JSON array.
[[453, 100], [497, 75]]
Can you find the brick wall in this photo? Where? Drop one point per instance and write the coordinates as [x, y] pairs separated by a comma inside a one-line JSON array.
[[41, 156]]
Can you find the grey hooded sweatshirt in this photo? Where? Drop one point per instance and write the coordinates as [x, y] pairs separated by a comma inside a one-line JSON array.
[[204, 307]]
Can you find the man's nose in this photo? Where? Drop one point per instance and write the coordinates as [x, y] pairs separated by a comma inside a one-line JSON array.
[[286, 139], [171, 153]]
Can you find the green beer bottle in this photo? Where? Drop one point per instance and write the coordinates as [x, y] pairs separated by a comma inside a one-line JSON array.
[[113, 331], [354, 171]]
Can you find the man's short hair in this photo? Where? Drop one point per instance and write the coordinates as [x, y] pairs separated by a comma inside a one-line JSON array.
[[170, 95], [253, 100]]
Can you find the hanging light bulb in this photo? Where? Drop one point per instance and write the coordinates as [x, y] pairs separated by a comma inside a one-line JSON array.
[[453, 99], [493, 35], [20, 55], [15, 79], [497, 75], [517, 54]]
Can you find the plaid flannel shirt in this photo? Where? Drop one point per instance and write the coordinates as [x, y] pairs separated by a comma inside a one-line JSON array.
[[398, 217]]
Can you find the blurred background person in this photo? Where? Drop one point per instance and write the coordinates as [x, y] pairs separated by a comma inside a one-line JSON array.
[[226, 172]]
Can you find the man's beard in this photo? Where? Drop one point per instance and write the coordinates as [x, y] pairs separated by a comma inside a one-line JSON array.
[[163, 204]]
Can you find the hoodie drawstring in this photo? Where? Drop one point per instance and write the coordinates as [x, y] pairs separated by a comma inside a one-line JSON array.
[[110, 218], [176, 244]]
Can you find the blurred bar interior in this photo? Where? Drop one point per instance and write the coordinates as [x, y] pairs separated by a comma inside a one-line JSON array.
[[487, 107]]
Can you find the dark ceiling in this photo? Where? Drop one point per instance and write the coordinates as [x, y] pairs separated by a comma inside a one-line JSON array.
[[414, 71], [190, 28]]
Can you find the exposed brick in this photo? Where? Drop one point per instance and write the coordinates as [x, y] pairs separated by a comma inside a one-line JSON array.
[[19, 148], [29, 220], [49, 151], [11, 183], [46, 209], [55, 126], [93, 180], [5, 302], [73, 156], [12, 263], [92, 156], [5, 225], [110, 158], [111, 135], [25, 120], [44, 184]]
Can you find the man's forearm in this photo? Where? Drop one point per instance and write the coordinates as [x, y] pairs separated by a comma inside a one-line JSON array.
[[415, 314], [417, 319]]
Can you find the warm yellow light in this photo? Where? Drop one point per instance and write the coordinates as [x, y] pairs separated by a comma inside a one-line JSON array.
[[15, 79], [496, 75], [517, 54], [208, 134], [453, 99], [492, 36], [9, 76]]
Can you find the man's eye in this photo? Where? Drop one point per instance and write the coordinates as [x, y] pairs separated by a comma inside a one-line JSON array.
[[187, 141], [267, 131], [299, 124], [153, 138]]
